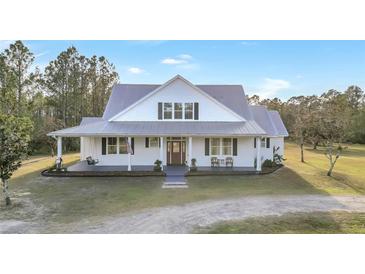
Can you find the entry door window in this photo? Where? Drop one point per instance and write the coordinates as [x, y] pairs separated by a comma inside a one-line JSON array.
[[175, 147]]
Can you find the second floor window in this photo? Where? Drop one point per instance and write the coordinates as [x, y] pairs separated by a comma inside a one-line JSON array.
[[167, 110], [188, 111], [178, 111]]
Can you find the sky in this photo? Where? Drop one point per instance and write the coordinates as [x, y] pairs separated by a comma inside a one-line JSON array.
[[267, 68]]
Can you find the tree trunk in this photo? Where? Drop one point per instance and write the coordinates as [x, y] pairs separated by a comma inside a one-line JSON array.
[[301, 149], [6, 192], [329, 173], [315, 145]]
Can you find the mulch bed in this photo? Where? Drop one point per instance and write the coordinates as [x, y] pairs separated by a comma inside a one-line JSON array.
[[265, 170], [48, 173]]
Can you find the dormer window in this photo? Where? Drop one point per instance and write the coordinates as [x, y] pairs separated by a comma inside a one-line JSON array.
[[188, 111]]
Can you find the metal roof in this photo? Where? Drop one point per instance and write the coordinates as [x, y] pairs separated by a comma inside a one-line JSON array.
[[162, 128]]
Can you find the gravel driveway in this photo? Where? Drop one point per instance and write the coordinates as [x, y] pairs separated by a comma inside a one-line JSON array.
[[183, 219]]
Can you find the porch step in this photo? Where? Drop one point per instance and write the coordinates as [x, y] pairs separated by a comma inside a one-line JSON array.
[[175, 185]]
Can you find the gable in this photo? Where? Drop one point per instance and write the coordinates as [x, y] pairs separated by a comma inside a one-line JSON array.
[[178, 90]]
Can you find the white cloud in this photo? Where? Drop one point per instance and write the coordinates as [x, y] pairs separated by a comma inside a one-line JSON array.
[[271, 87], [185, 56], [41, 54], [173, 61], [135, 70]]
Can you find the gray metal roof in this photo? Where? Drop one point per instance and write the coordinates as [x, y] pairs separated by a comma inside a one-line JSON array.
[[124, 95], [259, 121], [278, 123], [162, 128], [269, 121]]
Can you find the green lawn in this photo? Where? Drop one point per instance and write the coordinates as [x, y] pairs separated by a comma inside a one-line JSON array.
[[59, 201], [305, 223]]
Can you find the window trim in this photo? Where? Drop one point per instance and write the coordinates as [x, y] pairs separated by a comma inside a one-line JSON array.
[[220, 147], [192, 111], [172, 111], [107, 146], [149, 142], [126, 145], [182, 111]]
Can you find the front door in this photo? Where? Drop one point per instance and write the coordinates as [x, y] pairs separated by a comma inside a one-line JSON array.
[[175, 152]]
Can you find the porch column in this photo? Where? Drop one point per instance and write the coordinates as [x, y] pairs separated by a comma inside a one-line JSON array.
[[59, 147], [129, 154], [258, 155], [190, 150], [161, 152]]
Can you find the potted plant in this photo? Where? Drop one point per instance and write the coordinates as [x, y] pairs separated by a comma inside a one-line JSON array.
[[193, 165], [157, 165]]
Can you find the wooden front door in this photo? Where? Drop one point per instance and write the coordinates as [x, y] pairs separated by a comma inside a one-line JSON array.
[[176, 152]]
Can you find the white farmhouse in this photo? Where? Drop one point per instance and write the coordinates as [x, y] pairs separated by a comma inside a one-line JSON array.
[[176, 122]]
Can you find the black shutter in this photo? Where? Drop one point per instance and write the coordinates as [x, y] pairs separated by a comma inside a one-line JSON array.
[[267, 142], [160, 111], [234, 146], [147, 142], [132, 145], [103, 146], [254, 142], [207, 146], [196, 111], [159, 141]]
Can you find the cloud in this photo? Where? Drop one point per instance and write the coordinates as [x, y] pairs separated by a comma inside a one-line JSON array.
[[271, 87], [185, 56], [135, 70], [173, 61], [41, 54], [299, 76]]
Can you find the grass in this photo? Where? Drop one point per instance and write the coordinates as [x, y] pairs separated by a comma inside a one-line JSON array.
[[58, 202], [305, 223]]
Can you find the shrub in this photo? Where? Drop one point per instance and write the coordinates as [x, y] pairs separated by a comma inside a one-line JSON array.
[[157, 165], [193, 165], [268, 163]]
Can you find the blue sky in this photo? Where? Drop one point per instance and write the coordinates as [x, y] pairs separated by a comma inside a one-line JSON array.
[[268, 68]]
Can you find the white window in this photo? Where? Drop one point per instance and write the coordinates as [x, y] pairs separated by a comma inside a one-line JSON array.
[[188, 111], [227, 146], [153, 141], [215, 146], [178, 111], [263, 142], [123, 145], [112, 145], [167, 110]]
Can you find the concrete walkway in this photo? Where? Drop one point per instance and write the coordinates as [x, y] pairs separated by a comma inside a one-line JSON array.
[[183, 219]]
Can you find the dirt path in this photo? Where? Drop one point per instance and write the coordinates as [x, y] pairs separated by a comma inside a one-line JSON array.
[[183, 219]]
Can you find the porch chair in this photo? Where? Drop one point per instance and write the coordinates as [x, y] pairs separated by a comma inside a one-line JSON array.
[[229, 161], [214, 162], [91, 161]]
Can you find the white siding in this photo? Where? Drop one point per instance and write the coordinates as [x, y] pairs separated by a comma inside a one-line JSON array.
[[178, 92], [246, 153]]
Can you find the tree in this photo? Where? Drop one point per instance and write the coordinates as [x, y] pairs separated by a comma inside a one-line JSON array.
[[330, 156], [14, 139], [18, 58]]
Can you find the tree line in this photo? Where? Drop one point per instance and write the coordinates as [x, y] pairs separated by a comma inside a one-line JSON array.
[[330, 119], [69, 87]]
